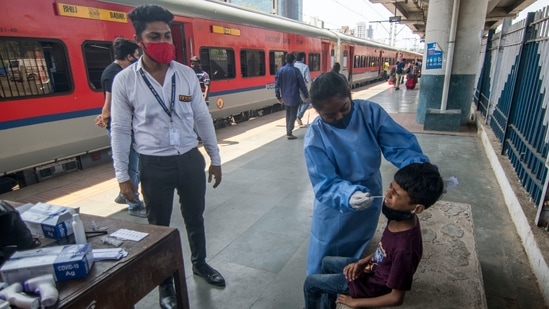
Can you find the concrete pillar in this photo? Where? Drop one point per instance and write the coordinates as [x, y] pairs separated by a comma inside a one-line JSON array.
[[470, 27]]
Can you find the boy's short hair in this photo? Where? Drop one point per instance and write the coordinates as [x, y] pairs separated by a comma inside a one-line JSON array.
[[148, 13], [422, 182], [123, 47]]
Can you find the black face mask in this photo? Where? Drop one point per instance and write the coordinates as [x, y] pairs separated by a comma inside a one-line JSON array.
[[396, 215], [134, 60], [343, 122]]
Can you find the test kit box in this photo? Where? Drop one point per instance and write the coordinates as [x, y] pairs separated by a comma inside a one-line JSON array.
[[48, 220], [63, 262]]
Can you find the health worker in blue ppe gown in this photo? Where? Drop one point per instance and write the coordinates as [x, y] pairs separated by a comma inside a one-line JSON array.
[[343, 149]]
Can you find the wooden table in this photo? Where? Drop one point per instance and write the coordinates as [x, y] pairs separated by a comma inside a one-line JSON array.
[[122, 283]]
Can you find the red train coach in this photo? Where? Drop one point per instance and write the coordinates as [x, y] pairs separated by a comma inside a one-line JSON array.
[[51, 58], [52, 54]]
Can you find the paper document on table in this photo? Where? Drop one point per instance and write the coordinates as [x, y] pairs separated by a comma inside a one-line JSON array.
[[129, 235], [109, 254]]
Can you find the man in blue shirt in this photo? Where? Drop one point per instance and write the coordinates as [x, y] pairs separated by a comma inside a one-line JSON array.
[[400, 72], [288, 83]]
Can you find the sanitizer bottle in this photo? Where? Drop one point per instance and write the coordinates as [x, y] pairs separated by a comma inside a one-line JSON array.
[[78, 228]]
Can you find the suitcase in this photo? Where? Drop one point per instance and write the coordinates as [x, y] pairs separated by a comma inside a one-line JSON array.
[[411, 83]]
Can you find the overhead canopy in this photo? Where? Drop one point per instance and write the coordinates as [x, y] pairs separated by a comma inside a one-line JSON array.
[[414, 12]]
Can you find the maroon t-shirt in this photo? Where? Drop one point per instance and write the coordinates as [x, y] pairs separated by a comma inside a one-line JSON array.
[[393, 265]]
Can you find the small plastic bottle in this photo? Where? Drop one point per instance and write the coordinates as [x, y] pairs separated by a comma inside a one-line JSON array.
[[78, 228]]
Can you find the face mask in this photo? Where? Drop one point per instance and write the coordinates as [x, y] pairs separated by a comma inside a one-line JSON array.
[[396, 215], [343, 122], [161, 52], [134, 60]]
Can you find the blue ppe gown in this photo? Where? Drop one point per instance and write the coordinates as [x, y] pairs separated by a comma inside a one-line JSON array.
[[343, 161]]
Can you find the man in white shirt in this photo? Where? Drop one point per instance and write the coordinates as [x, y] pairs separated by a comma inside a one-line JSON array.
[[304, 69], [161, 100]]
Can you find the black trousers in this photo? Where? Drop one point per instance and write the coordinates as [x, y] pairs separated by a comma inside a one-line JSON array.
[[291, 116], [184, 173]]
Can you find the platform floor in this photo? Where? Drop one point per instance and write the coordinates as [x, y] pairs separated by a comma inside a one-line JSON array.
[[258, 219]]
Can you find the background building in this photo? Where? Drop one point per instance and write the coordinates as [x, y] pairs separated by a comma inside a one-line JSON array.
[[288, 8]]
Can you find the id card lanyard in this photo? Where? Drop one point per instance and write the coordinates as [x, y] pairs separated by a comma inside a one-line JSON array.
[[174, 136]]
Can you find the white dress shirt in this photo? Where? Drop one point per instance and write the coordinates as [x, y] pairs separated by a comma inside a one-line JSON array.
[[134, 107]]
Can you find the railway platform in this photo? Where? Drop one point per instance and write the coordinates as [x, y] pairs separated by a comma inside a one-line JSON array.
[[258, 219]]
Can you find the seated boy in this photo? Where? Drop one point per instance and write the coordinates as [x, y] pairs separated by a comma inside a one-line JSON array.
[[382, 278]]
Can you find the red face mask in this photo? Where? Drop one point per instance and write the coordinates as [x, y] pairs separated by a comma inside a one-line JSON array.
[[161, 52]]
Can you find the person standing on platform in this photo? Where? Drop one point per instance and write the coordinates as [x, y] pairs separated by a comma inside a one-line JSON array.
[[400, 72], [162, 101], [203, 78], [126, 52], [306, 73], [288, 83], [386, 70], [337, 68], [343, 152]]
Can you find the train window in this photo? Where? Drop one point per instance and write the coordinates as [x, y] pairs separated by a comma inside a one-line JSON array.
[[314, 62], [32, 67], [219, 63], [276, 60], [252, 63], [97, 56]]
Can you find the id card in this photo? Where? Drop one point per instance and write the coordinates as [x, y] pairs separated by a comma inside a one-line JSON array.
[[174, 137]]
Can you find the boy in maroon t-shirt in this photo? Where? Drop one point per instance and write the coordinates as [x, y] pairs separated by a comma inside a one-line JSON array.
[[382, 278]]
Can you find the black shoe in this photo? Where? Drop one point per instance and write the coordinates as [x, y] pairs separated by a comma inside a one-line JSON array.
[[166, 296], [209, 274], [138, 212]]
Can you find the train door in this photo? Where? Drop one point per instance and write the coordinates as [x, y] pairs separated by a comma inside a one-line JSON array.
[[325, 63], [380, 71], [351, 64], [178, 35], [332, 59]]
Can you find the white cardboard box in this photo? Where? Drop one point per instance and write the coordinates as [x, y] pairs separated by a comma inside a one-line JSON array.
[[48, 220], [63, 262]]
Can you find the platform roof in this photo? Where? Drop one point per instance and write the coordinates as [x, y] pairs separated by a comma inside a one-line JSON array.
[[414, 12]]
